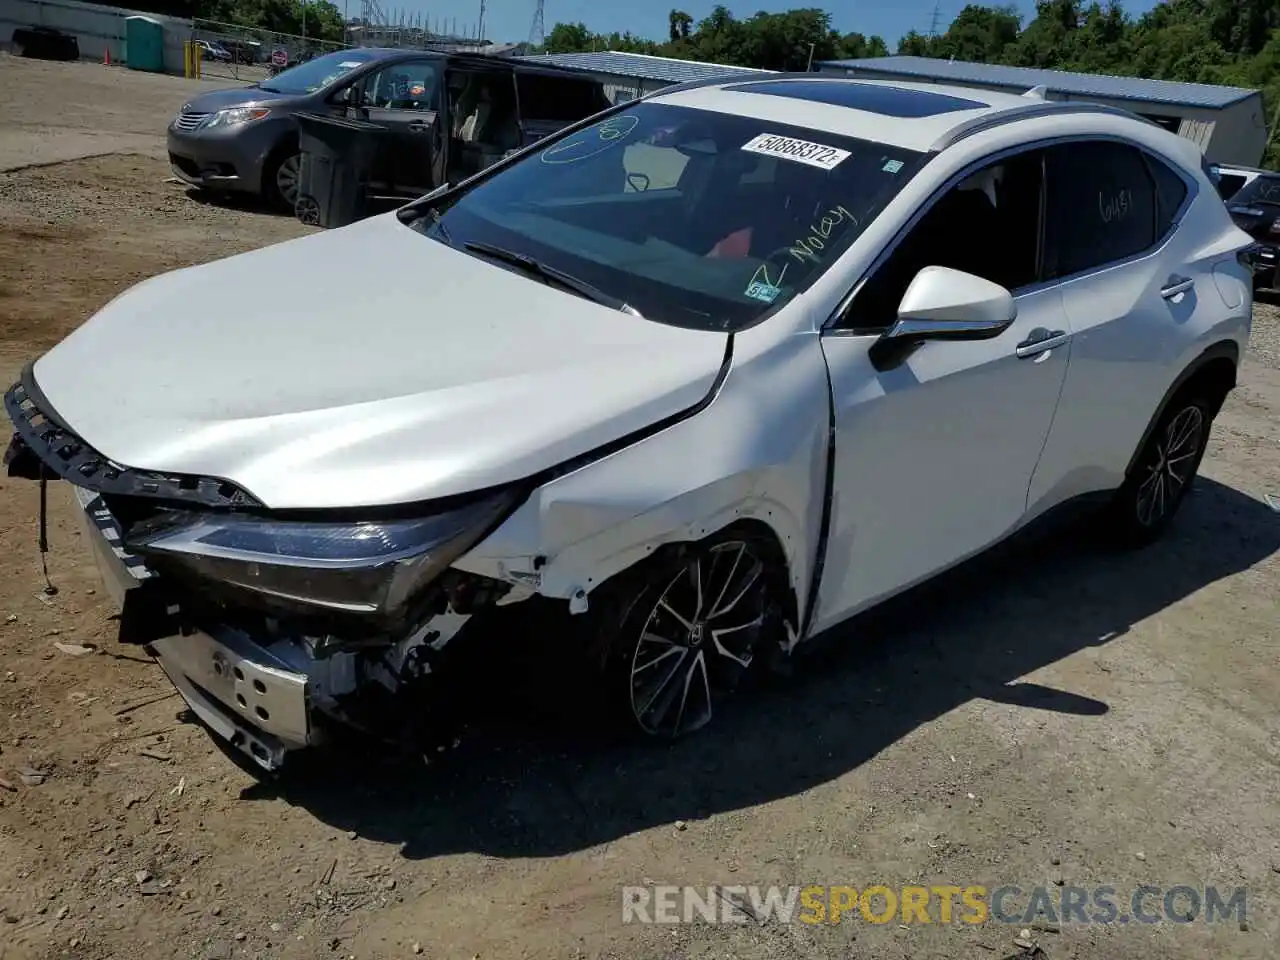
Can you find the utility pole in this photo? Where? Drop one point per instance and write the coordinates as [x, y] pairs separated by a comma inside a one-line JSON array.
[[937, 18], [538, 29]]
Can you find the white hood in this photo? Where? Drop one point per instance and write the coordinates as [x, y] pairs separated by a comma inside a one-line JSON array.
[[365, 366]]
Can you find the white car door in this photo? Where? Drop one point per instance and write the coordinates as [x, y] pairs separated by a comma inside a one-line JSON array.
[[1141, 296], [933, 457]]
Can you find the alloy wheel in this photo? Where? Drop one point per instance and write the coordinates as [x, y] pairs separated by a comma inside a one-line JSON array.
[[698, 638], [287, 179], [1171, 467], [307, 209]]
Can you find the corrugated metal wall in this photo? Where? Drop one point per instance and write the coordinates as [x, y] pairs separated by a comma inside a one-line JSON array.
[[98, 30], [620, 89]]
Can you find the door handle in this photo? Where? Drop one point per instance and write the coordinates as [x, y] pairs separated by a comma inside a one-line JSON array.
[[1039, 341], [1176, 286], [418, 126]]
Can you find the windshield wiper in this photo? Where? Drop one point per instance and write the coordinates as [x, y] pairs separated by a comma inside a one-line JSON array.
[[437, 220], [550, 275]]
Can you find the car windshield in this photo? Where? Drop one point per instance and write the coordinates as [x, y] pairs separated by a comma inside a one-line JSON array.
[[1260, 190], [693, 218], [314, 74]]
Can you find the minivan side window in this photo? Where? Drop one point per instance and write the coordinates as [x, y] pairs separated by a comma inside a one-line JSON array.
[[1229, 184], [989, 225], [545, 97], [1101, 209], [408, 85]]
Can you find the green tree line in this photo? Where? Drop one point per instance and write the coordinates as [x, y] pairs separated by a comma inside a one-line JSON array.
[[318, 19], [1232, 42], [775, 41]]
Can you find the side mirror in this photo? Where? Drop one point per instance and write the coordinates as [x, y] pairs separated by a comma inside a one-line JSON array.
[[945, 304]]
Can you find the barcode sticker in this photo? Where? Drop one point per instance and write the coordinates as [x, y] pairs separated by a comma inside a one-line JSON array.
[[801, 151]]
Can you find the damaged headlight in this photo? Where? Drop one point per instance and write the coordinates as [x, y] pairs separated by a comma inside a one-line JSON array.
[[364, 567]]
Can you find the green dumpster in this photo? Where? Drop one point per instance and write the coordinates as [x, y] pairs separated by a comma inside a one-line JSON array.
[[144, 44]]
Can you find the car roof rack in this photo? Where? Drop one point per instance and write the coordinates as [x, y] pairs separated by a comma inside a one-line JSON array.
[[1035, 108]]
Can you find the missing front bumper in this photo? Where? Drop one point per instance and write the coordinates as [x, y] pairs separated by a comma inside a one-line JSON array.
[[242, 692], [239, 689]]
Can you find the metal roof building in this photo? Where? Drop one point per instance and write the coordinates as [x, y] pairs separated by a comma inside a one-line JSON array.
[[1227, 123], [629, 75]]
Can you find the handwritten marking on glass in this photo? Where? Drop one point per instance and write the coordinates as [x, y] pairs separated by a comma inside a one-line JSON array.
[[809, 246], [592, 141], [1115, 208]]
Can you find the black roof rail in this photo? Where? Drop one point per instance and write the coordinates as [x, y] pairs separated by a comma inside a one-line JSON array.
[[1034, 108]]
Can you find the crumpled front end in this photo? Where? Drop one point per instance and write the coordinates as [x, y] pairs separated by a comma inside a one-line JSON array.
[[274, 627]]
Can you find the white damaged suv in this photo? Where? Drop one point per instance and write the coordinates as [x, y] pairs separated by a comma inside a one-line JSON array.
[[705, 374]]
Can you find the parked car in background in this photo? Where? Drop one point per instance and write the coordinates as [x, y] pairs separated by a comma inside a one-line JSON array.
[[245, 140], [427, 122], [1255, 207], [212, 50], [240, 50], [1230, 178], [697, 379], [44, 43]]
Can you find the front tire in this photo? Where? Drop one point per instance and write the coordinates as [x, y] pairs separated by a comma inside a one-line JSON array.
[[687, 630], [1164, 471], [281, 178]]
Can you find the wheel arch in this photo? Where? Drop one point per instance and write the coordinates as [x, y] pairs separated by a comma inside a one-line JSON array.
[[584, 568], [755, 455], [673, 551], [1215, 369], [288, 142]]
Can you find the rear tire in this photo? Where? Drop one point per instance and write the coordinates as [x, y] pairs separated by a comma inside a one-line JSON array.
[[1164, 471]]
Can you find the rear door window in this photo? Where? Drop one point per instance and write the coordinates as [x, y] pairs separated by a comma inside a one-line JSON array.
[[562, 99], [1101, 206]]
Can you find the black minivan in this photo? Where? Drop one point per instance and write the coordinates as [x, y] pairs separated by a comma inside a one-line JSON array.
[[1255, 208], [439, 117]]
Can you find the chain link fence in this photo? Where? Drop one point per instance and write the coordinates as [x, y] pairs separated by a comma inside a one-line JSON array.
[[251, 54]]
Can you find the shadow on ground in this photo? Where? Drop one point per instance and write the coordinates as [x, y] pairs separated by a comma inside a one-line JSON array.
[[536, 788], [249, 203], [231, 200]]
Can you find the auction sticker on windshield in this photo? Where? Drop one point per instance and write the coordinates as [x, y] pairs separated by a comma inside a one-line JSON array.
[[801, 151]]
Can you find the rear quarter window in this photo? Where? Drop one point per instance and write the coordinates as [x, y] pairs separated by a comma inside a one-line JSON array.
[[1171, 193]]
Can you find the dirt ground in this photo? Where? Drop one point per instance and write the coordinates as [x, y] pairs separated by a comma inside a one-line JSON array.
[[1063, 715]]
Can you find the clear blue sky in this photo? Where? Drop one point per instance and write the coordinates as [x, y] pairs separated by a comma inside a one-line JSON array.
[[510, 19]]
